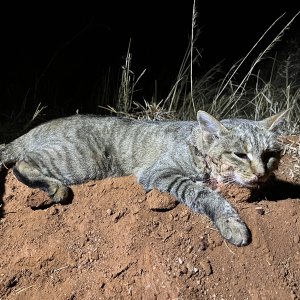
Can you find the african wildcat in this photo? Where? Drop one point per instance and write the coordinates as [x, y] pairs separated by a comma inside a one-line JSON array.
[[173, 156]]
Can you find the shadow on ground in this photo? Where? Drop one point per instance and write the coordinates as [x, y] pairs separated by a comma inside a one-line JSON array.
[[277, 190]]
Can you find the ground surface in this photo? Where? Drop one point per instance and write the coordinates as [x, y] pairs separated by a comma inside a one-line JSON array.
[[114, 241]]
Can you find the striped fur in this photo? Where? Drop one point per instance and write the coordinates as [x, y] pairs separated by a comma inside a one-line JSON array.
[[178, 157]]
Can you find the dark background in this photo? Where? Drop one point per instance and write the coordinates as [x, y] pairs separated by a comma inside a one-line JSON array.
[[60, 56]]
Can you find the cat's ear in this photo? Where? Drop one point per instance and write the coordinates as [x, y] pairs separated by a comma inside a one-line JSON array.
[[274, 123], [210, 124]]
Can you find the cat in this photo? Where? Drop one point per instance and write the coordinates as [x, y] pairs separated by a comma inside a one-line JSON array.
[[178, 157]]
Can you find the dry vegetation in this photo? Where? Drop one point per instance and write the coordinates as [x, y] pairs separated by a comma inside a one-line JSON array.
[[65, 252], [270, 85]]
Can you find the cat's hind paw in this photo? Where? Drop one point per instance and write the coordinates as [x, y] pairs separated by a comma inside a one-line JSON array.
[[234, 230]]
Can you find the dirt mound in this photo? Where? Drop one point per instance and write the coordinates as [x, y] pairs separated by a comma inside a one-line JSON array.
[[114, 241]]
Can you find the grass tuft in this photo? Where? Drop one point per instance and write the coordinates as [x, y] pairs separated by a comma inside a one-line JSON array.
[[271, 84]]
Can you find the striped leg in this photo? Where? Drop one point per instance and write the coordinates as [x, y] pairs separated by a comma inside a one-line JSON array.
[[200, 199]]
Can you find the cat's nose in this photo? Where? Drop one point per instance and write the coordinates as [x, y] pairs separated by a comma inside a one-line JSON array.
[[259, 175]]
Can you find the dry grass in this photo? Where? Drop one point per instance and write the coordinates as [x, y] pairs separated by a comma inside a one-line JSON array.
[[254, 96], [258, 94], [264, 97], [270, 85], [291, 147]]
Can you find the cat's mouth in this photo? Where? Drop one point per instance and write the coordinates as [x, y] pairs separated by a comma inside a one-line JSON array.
[[252, 183]]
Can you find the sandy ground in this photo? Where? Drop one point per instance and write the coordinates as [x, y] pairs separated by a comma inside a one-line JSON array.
[[114, 241]]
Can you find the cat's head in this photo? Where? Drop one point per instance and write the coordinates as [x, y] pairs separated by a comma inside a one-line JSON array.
[[240, 151]]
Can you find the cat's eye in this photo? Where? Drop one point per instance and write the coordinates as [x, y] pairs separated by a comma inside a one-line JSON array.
[[241, 155]]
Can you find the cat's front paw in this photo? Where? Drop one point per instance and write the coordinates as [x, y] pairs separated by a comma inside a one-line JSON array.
[[234, 230]]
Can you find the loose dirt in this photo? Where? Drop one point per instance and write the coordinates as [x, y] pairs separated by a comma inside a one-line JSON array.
[[114, 241]]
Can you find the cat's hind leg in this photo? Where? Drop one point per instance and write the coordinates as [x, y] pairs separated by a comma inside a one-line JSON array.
[[31, 176]]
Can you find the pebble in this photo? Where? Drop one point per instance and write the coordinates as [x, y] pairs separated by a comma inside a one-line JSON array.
[[109, 212], [183, 270], [296, 239], [203, 243], [53, 211], [160, 201], [260, 210], [191, 269], [206, 267], [189, 249]]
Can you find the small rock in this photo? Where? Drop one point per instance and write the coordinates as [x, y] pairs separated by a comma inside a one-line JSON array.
[[135, 209], [185, 215], [102, 284], [95, 255], [188, 228], [53, 210], [183, 270], [141, 199], [296, 239], [293, 213], [158, 201], [206, 267], [109, 212], [119, 215], [189, 249], [203, 244], [191, 269], [260, 210]]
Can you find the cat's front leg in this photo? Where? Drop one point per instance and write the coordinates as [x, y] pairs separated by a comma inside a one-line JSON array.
[[200, 199], [233, 229]]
